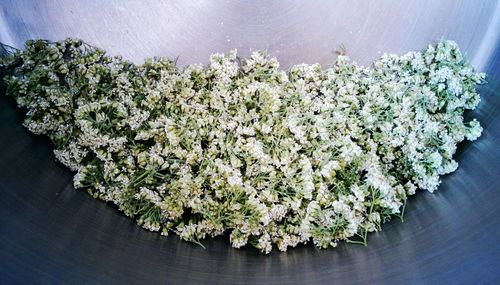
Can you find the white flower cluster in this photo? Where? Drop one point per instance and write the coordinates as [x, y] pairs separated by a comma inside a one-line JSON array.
[[273, 158]]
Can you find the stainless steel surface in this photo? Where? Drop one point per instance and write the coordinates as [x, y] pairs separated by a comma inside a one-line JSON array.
[[50, 233], [294, 31]]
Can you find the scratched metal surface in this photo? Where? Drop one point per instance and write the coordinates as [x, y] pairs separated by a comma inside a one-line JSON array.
[[52, 234]]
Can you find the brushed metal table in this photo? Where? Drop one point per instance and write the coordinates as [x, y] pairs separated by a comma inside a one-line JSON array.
[[52, 234]]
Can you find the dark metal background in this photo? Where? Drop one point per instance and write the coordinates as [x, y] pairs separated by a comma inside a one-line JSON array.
[[52, 234]]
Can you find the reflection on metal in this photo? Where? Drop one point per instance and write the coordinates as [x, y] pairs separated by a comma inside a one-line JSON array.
[[294, 31]]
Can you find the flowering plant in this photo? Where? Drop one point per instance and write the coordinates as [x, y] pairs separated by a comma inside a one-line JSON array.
[[274, 158]]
